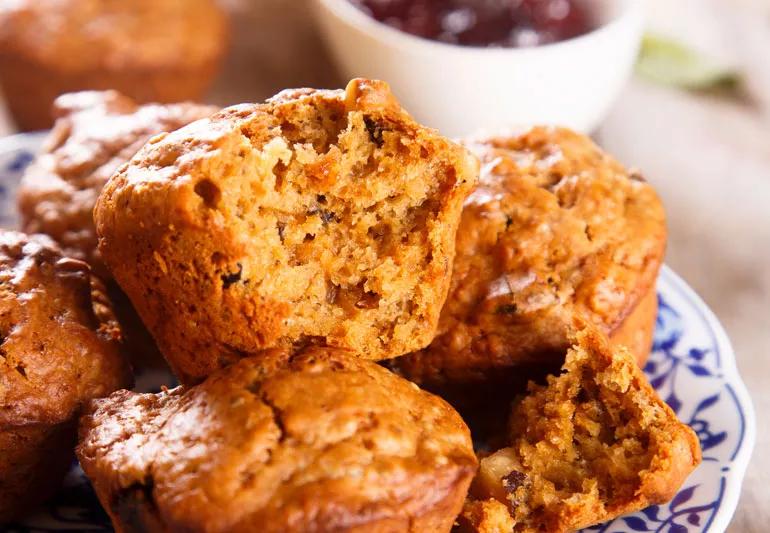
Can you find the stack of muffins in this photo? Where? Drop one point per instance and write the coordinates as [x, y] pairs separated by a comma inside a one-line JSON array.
[[277, 252]]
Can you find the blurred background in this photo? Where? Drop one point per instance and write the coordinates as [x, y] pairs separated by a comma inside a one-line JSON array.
[[703, 141]]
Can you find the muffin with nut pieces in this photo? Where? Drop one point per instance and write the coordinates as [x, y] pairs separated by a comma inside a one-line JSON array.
[[317, 218], [591, 443], [315, 441], [151, 50], [60, 348], [555, 229]]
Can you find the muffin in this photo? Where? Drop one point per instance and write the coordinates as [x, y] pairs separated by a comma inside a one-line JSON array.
[[59, 349], [317, 218], [555, 229], [592, 443], [95, 132], [316, 441], [150, 50]]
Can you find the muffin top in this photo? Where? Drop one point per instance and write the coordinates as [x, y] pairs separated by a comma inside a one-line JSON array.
[[320, 441], [555, 227], [95, 132], [113, 34], [59, 347], [556, 220]]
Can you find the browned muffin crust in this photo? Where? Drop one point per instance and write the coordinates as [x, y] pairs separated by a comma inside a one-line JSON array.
[[95, 132], [592, 443], [59, 349], [320, 441], [555, 228], [318, 217], [151, 50]]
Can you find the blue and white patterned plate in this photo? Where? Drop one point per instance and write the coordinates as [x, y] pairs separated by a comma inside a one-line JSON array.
[[692, 367]]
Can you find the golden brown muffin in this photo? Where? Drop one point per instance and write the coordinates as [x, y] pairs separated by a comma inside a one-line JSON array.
[[592, 443], [150, 50], [319, 441], [56, 354], [95, 132], [555, 228], [318, 217]]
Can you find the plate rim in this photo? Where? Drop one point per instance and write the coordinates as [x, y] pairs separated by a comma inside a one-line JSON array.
[[20, 141], [731, 375]]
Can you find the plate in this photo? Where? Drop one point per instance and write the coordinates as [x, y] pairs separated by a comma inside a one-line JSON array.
[[692, 367]]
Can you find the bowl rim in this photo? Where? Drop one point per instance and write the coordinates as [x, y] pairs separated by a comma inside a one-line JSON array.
[[348, 13]]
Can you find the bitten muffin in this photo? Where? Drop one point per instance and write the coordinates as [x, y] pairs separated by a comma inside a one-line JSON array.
[[59, 349], [150, 50], [317, 441], [95, 132], [555, 228], [592, 443], [316, 218]]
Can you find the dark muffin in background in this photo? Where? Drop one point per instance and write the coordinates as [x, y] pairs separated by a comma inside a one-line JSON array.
[[60, 348], [556, 228], [316, 218], [95, 132], [151, 50], [319, 441]]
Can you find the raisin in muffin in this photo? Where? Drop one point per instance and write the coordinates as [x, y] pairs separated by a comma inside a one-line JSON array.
[[556, 228], [95, 132], [59, 349], [150, 50], [316, 441], [592, 443], [319, 217]]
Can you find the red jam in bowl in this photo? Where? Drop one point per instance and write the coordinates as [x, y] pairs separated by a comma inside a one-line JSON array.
[[488, 23]]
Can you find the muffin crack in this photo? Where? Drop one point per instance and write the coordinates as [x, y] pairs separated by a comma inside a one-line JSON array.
[[257, 390]]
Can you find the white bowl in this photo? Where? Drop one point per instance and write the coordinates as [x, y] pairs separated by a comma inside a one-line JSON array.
[[466, 90]]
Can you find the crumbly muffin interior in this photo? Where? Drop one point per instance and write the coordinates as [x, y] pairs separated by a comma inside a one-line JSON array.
[[341, 209], [583, 446]]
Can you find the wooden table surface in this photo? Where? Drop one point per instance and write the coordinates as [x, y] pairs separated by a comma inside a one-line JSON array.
[[708, 157]]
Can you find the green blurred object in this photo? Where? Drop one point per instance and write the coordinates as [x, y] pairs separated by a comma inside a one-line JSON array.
[[669, 62]]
